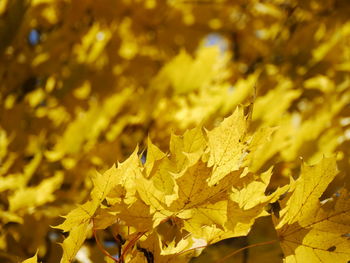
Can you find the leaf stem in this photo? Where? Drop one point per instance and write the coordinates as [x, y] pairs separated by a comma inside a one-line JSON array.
[[244, 248], [101, 247], [193, 248], [131, 243]]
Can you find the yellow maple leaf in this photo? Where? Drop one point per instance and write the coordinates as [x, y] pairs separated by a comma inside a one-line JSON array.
[[33, 259], [311, 230], [127, 174], [237, 94], [187, 149], [18, 180], [36, 196], [309, 187], [226, 145], [205, 215], [323, 236], [160, 188], [248, 201], [153, 244], [240, 221], [78, 220], [187, 74], [154, 154], [199, 205], [137, 215], [251, 191], [80, 135], [7, 216], [78, 216], [268, 108], [103, 183], [153, 199], [263, 146], [194, 190], [74, 241], [118, 182]]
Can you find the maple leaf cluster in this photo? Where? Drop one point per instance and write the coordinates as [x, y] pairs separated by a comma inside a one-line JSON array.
[[174, 131]]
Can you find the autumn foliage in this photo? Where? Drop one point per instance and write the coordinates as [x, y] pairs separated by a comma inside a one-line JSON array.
[[141, 131]]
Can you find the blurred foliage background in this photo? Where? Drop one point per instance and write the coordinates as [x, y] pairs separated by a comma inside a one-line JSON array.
[[83, 82]]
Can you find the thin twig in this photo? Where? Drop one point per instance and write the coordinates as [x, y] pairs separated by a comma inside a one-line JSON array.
[[131, 243], [102, 248], [182, 252], [244, 248]]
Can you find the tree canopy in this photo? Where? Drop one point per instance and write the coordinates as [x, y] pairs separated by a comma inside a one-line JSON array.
[[178, 130]]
